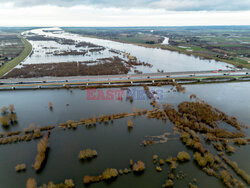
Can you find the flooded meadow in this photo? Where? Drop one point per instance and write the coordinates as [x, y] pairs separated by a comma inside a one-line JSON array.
[[55, 49], [104, 126], [166, 135]]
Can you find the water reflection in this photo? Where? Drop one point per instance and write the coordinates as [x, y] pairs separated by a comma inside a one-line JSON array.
[[114, 143], [160, 59]]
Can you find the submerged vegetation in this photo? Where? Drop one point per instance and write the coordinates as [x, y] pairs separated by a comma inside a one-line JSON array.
[[183, 156], [68, 183], [240, 141], [20, 167], [199, 126], [193, 122], [31, 183], [138, 166], [236, 169], [41, 152], [169, 183], [130, 123], [109, 173], [87, 154], [9, 116], [50, 106], [27, 135], [112, 173]]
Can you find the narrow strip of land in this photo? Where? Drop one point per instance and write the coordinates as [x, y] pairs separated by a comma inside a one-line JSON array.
[[203, 76], [10, 65]]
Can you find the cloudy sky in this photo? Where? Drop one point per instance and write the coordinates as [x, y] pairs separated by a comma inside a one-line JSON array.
[[124, 12]]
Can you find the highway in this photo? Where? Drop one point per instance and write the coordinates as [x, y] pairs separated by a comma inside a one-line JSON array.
[[118, 79]]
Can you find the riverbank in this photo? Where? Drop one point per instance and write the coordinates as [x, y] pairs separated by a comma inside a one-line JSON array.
[[25, 53], [158, 59], [177, 49]]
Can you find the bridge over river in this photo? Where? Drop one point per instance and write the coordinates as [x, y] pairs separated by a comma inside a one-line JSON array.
[[133, 79]]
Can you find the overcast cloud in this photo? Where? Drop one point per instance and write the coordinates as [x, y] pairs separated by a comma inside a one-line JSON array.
[[124, 12], [173, 5]]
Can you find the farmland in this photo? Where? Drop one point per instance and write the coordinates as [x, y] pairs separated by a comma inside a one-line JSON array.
[[13, 50], [74, 124], [229, 44]]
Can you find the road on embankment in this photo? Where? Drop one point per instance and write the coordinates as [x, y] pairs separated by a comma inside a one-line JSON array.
[[46, 82]]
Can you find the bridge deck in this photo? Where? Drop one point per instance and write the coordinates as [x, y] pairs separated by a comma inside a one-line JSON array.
[[123, 79]]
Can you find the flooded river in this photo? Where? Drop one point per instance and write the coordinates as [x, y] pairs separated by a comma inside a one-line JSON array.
[[160, 59], [115, 144]]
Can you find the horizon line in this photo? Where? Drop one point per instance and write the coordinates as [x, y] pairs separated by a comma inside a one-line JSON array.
[[134, 26]]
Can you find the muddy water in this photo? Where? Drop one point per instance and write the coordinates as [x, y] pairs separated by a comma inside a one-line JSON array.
[[114, 143]]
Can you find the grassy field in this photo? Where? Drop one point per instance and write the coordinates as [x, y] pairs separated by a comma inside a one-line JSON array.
[[123, 34], [11, 64], [139, 38], [228, 44], [196, 51], [10, 46]]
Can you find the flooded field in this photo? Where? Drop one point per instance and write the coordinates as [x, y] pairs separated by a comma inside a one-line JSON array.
[[141, 136], [53, 45], [116, 143]]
